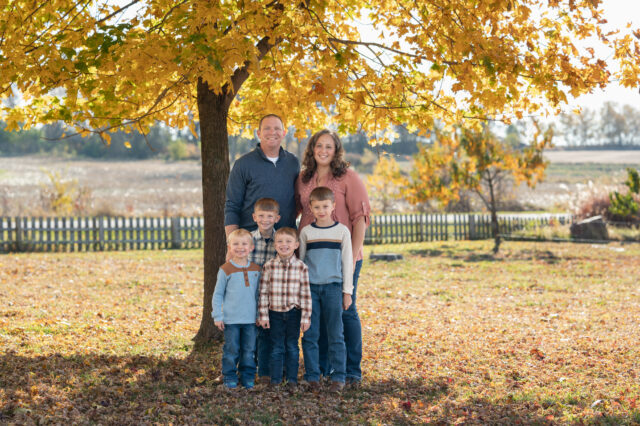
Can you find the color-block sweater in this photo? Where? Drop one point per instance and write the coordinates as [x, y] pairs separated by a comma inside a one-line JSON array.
[[327, 253], [235, 298]]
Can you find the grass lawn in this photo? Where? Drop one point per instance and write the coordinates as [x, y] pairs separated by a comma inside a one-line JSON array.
[[542, 333]]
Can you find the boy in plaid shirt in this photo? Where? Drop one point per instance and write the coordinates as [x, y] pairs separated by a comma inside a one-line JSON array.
[[284, 305], [266, 212]]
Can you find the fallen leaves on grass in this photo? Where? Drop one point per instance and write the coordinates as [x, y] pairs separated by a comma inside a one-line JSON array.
[[450, 337]]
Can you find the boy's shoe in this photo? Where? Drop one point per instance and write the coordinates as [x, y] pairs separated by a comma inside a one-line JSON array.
[[248, 385], [336, 387], [291, 386], [230, 385], [353, 383], [263, 380], [313, 386]]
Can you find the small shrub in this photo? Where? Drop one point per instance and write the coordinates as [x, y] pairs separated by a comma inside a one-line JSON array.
[[624, 207], [595, 204], [62, 196], [179, 149]]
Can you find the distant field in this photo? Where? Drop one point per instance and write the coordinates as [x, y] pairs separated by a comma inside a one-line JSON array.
[[602, 157], [158, 187]]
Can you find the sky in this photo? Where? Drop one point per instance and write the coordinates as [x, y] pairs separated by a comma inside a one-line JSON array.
[[618, 13]]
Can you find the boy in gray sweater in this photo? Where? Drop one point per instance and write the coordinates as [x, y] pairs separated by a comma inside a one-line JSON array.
[[325, 246]]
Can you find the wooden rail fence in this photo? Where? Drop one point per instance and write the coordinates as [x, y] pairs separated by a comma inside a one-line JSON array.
[[69, 234]]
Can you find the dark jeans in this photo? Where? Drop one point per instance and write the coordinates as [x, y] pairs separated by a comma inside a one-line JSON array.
[[238, 353], [285, 331], [326, 300], [263, 351], [352, 336]]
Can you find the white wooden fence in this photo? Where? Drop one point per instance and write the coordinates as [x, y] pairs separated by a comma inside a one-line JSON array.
[[68, 234]]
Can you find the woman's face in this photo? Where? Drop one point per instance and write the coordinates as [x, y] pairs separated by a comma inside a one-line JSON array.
[[324, 151]]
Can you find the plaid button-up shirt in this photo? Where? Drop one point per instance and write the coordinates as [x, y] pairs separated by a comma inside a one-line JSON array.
[[264, 249], [284, 285]]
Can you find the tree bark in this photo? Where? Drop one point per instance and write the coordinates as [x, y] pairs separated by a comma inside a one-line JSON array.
[[213, 109], [495, 228]]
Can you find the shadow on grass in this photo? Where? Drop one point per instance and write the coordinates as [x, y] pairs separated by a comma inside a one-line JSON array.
[[468, 255], [93, 388]]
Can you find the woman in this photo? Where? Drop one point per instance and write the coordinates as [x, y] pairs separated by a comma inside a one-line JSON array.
[[324, 165]]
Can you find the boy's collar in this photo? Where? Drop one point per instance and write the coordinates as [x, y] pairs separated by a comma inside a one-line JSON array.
[[239, 265], [288, 259], [271, 234], [315, 225]]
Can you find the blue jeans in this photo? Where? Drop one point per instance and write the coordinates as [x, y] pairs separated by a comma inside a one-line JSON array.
[[238, 353], [352, 336], [285, 331], [326, 300], [263, 351]]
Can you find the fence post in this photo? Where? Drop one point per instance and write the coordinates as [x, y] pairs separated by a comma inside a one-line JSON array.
[[19, 242], [472, 227], [176, 237], [99, 233]]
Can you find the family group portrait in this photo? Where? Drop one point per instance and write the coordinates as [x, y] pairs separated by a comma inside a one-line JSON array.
[[323, 212]]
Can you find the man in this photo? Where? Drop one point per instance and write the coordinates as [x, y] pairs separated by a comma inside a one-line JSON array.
[[266, 172]]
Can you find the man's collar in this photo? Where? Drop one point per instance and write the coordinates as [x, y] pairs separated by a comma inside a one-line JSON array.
[[263, 155]]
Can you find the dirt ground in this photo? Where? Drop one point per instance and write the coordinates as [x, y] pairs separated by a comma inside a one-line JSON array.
[[158, 187]]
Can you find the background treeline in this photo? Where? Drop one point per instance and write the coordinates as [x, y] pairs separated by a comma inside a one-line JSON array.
[[611, 127]]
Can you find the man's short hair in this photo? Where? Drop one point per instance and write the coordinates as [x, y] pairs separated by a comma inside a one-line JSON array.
[[266, 205], [270, 115], [321, 193], [286, 231], [239, 233]]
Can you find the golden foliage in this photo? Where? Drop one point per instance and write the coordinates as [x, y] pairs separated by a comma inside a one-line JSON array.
[[467, 159], [384, 184], [103, 66]]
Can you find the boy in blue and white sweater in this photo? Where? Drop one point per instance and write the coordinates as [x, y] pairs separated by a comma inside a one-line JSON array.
[[325, 246], [234, 311]]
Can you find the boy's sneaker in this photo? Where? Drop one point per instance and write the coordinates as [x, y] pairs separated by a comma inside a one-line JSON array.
[[263, 380], [291, 386], [353, 383], [230, 385], [248, 385], [336, 387], [313, 386]]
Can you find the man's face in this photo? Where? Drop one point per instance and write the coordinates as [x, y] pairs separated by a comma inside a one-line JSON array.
[[285, 244], [271, 134], [265, 219]]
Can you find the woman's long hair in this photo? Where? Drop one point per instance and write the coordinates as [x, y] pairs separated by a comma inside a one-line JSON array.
[[338, 164]]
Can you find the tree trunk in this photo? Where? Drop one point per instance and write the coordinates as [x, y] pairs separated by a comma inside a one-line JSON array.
[[495, 228], [213, 109]]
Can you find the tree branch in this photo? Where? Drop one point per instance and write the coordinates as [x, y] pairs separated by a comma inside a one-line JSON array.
[[115, 12]]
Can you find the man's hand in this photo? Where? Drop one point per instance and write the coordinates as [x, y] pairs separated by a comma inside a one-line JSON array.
[[304, 327], [346, 301], [264, 324], [219, 324]]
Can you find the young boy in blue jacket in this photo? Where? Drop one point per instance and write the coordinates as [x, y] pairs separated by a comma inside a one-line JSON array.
[[235, 310]]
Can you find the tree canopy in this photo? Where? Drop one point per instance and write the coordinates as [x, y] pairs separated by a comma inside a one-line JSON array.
[[129, 65], [102, 66]]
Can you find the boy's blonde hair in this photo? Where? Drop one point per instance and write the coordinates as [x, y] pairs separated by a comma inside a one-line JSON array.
[[266, 205], [321, 193], [286, 231], [239, 233]]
